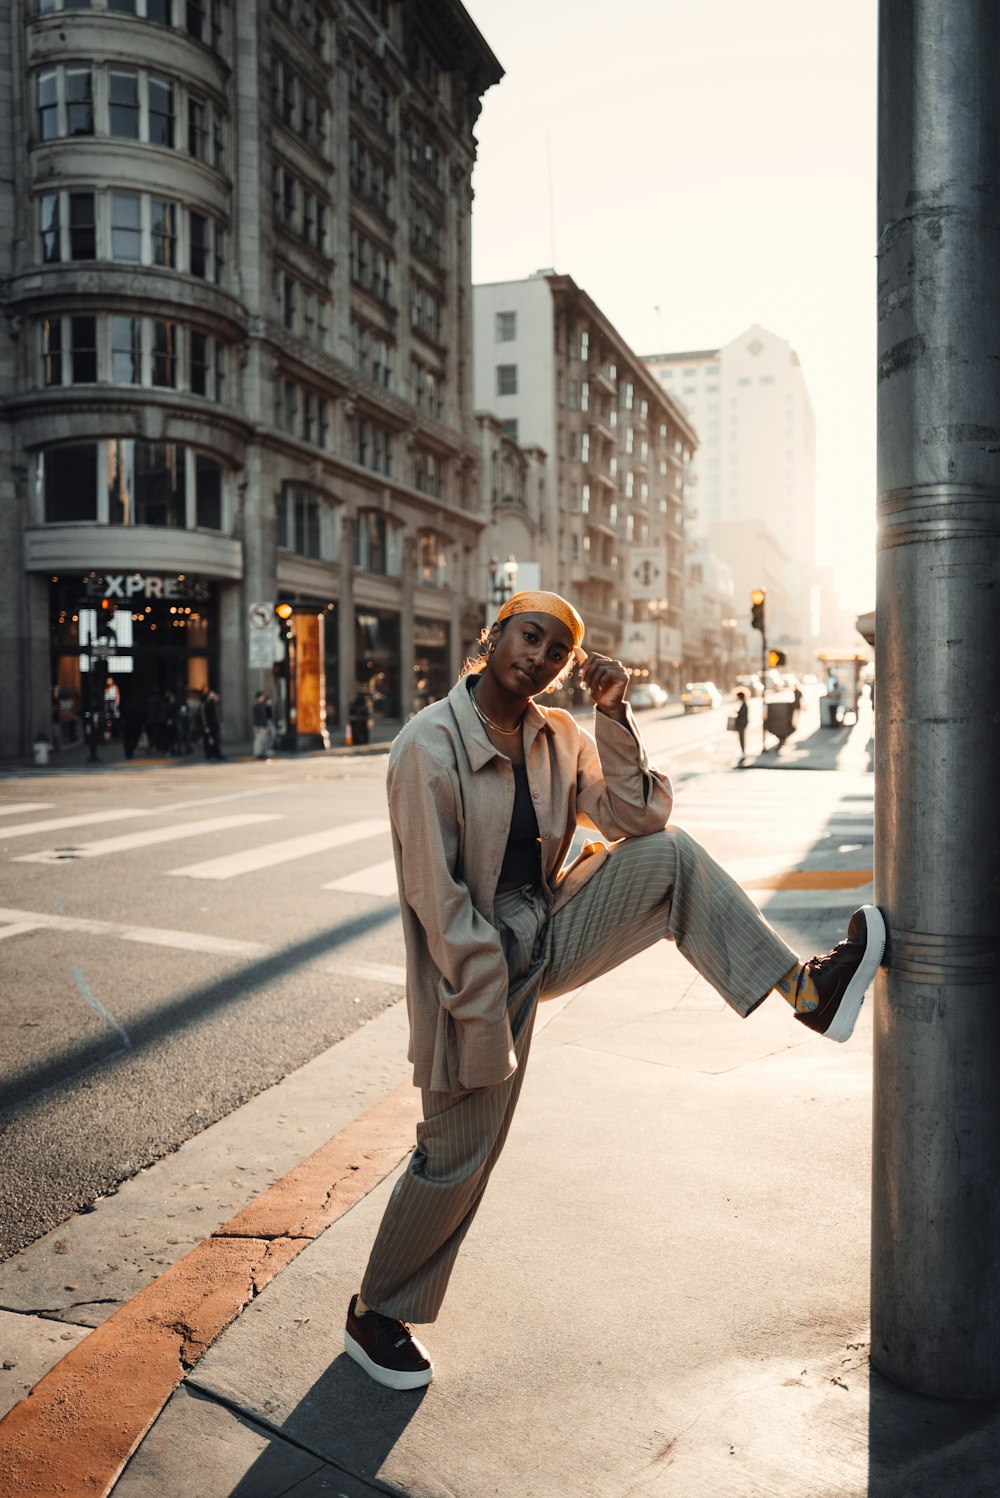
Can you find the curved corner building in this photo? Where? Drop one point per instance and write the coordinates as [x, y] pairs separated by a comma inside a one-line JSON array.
[[236, 358]]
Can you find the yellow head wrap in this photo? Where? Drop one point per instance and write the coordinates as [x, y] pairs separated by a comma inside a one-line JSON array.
[[545, 603]]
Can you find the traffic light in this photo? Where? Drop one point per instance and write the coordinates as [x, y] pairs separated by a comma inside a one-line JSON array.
[[757, 609], [283, 613], [776, 658]]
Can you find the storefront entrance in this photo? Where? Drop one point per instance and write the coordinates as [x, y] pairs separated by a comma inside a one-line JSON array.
[[131, 649]]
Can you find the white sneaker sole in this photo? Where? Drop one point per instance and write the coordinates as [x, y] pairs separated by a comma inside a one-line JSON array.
[[843, 1022], [389, 1378]]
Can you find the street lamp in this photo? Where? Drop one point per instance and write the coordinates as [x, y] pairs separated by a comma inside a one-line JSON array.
[[503, 576], [658, 608]]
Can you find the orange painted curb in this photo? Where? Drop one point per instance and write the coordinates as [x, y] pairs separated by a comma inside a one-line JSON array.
[[813, 879], [72, 1435]]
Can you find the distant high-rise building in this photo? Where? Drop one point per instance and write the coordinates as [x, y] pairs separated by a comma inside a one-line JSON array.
[[756, 459], [610, 533], [236, 354]]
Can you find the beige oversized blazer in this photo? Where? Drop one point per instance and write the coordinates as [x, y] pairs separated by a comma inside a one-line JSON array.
[[451, 795]]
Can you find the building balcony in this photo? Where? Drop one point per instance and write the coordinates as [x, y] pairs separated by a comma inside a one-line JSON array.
[[599, 429], [600, 380]]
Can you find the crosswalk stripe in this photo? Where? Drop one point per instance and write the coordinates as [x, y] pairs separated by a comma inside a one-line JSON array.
[[84, 819], [232, 865], [15, 808], [147, 838], [158, 936], [18, 928], [377, 879]]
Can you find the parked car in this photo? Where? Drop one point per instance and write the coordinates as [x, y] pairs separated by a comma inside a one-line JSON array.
[[700, 694], [647, 694]]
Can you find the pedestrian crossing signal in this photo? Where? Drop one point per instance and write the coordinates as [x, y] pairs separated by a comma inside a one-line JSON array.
[[776, 658]]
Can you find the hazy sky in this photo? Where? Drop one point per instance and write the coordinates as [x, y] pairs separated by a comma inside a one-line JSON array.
[[715, 159]]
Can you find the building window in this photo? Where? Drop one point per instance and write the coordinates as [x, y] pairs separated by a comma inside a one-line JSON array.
[[377, 544], [199, 135], [161, 112], [160, 484], [425, 313], [52, 351], [48, 105], [121, 481], [207, 493], [165, 355], [506, 379], [67, 480], [126, 350], [509, 428], [123, 105], [83, 350], [79, 102], [48, 209], [126, 226], [198, 365], [506, 327], [299, 522], [82, 226], [425, 232], [199, 229], [163, 227], [381, 363]]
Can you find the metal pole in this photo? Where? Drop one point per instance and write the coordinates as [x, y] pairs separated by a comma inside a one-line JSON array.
[[936, 1169]]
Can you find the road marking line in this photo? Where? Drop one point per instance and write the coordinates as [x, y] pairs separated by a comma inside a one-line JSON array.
[[377, 879], [82, 1421], [188, 941], [85, 819], [15, 807], [147, 838], [267, 855], [814, 879], [260, 790], [19, 928]]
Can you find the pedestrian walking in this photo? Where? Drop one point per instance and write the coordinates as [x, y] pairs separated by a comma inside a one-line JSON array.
[[183, 725], [210, 725], [259, 718], [742, 719], [486, 789]]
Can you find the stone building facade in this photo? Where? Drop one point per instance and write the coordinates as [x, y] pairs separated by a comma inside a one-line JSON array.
[[236, 365], [611, 534]]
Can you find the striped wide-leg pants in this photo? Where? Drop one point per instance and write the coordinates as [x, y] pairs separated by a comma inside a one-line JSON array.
[[649, 888]]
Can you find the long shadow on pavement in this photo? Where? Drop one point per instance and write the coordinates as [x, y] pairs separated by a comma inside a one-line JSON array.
[[928, 1448], [190, 1008], [367, 1421]]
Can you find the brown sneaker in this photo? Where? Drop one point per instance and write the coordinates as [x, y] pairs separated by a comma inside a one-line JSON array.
[[386, 1349], [843, 976]]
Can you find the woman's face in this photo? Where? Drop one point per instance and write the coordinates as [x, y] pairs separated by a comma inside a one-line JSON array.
[[529, 652]]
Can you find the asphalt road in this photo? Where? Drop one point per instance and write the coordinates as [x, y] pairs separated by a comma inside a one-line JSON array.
[[171, 944]]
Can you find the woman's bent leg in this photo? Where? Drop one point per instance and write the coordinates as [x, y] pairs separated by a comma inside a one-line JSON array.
[[667, 885]]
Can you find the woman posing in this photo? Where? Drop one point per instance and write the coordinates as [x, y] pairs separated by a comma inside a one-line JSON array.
[[486, 792]]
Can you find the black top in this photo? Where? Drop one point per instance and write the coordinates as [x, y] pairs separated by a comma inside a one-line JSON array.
[[522, 859]]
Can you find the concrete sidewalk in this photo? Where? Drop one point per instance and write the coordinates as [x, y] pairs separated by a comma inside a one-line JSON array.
[[665, 1293]]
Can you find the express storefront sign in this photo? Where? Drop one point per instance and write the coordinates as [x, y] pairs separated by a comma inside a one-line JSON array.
[[134, 587]]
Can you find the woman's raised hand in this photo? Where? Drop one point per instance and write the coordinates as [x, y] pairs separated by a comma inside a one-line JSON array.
[[605, 680]]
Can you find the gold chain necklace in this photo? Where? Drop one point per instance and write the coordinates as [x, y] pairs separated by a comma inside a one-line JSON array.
[[489, 722]]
